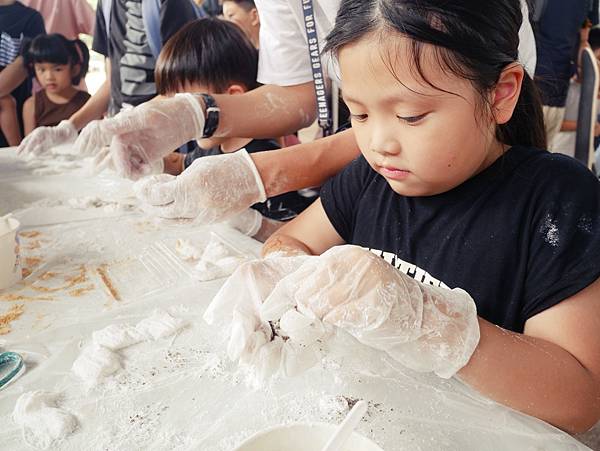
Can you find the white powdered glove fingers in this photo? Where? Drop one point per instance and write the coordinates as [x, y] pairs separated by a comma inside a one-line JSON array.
[[253, 341], [423, 327], [247, 222], [150, 189], [211, 190], [43, 139], [93, 138], [144, 134]]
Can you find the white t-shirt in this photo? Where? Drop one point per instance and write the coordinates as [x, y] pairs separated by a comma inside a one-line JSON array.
[[283, 56]]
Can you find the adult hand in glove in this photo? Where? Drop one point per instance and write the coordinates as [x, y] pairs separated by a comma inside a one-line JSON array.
[[211, 190], [42, 139], [423, 327], [288, 344], [144, 134]]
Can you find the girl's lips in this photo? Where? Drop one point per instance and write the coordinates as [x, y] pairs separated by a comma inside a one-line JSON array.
[[393, 173]]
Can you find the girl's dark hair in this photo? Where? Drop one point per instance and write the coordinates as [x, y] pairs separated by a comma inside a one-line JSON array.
[[56, 49], [473, 39], [208, 51]]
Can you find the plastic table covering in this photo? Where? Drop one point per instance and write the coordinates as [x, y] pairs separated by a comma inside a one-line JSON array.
[[182, 392]]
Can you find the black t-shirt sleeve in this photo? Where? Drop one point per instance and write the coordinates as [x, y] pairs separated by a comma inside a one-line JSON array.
[[100, 43], [564, 251], [35, 27], [174, 14], [340, 195]]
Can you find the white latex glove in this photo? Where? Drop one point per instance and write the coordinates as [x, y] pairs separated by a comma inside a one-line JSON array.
[[423, 327], [103, 161], [211, 190], [93, 138], [42, 139], [144, 134], [288, 346], [247, 222]]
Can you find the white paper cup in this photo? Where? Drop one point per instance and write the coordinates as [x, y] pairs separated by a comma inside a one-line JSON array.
[[10, 264], [303, 437]]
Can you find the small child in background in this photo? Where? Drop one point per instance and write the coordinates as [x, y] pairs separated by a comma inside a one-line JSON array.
[[58, 65], [244, 14], [564, 142], [215, 56]]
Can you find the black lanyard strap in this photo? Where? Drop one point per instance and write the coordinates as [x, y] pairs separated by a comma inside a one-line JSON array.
[[310, 26]]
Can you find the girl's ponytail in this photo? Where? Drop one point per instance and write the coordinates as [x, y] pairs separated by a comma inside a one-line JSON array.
[[81, 56], [526, 126]]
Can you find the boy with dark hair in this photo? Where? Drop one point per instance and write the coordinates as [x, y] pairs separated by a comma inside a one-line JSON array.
[[215, 56]]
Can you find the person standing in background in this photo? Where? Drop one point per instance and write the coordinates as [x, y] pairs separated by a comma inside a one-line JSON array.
[[67, 17], [18, 24], [244, 14], [558, 42]]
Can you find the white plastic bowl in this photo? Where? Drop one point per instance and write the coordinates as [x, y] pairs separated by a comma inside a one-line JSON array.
[[303, 437]]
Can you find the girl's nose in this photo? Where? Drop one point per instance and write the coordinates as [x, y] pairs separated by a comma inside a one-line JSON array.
[[384, 141]]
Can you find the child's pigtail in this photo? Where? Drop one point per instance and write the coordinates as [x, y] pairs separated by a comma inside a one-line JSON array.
[[81, 56]]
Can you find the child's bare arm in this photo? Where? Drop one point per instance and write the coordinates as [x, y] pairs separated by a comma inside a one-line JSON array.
[[29, 115], [552, 371], [568, 126], [12, 76], [96, 105], [310, 233]]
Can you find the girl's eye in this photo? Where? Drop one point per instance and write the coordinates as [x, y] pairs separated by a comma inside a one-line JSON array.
[[359, 117], [412, 119]]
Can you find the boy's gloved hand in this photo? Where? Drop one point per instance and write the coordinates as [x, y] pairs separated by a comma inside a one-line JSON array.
[[423, 327], [144, 134], [42, 139], [247, 222], [211, 190], [287, 344]]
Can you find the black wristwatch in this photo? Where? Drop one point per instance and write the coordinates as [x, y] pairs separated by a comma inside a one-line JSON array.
[[211, 122]]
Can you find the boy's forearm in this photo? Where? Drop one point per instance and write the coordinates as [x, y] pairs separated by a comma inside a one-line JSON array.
[[12, 76], [305, 165], [94, 108], [533, 376]]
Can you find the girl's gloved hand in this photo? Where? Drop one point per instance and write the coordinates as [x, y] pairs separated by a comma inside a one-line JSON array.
[[144, 134], [43, 139], [423, 327], [211, 190], [286, 344]]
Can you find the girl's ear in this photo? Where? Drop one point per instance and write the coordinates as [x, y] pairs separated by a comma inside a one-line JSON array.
[[506, 93], [235, 89], [255, 19]]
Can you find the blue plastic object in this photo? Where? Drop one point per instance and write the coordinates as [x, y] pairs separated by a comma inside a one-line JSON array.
[[11, 364]]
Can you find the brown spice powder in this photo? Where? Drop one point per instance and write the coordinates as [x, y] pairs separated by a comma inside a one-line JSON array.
[[107, 282], [13, 313], [12, 297], [81, 291], [30, 234]]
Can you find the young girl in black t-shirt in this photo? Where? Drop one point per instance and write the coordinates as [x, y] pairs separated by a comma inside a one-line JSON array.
[[489, 247]]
